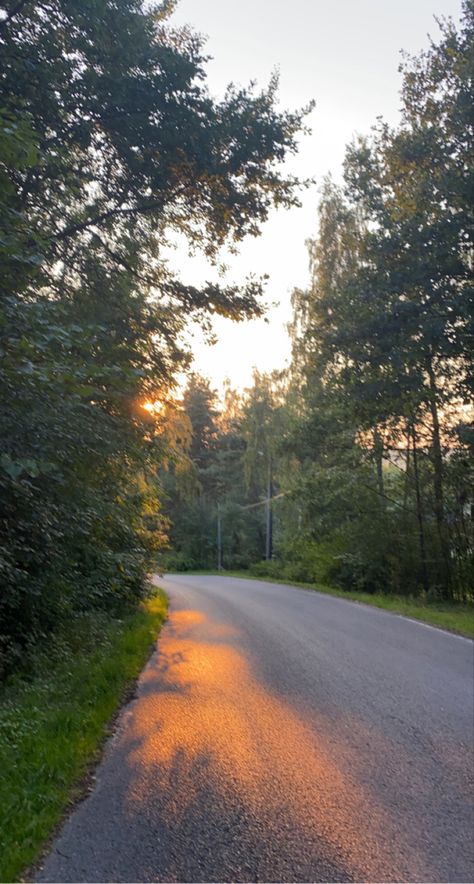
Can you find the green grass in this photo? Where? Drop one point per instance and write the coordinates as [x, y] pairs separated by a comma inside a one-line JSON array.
[[455, 617], [52, 724]]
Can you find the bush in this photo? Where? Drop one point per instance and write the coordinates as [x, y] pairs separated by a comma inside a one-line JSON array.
[[267, 569]]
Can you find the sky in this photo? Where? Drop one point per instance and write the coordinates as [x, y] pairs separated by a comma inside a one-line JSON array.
[[345, 55]]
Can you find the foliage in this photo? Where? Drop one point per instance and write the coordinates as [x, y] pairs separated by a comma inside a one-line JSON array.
[[383, 342], [110, 147]]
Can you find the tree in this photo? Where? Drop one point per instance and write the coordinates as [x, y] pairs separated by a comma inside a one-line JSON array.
[[200, 405], [419, 196], [110, 145], [384, 335]]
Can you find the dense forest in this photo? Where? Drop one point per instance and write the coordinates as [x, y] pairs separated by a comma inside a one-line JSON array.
[[365, 446], [355, 467]]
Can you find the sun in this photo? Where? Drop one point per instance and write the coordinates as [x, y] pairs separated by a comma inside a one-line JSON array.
[[153, 408]]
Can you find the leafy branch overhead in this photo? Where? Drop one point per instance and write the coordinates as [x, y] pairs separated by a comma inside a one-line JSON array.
[[130, 143]]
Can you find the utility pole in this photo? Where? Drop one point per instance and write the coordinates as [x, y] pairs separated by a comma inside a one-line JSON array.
[[269, 514], [219, 540]]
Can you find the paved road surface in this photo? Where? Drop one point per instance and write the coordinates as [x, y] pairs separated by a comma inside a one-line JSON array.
[[282, 735]]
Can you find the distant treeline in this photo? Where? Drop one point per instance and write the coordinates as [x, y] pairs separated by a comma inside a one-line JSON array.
[[368, 439]]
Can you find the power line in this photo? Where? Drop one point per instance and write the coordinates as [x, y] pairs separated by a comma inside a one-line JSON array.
[[251, 506]]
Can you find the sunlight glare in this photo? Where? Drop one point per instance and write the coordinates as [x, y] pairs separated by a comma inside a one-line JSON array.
[[154, 407]]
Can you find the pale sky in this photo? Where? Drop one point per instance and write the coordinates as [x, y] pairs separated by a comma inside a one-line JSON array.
[[343, 54]]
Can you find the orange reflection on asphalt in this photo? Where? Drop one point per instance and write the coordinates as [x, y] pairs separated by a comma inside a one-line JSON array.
[[200, 701]]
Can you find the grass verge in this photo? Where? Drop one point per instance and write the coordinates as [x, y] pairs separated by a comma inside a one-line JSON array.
[[455, 617], [52, 724]]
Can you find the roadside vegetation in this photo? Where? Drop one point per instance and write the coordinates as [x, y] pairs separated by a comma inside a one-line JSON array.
[[53, 721]]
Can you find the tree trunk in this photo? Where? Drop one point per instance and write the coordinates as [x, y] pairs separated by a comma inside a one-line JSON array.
[[407, 469], [438, 483], [419, 513], [378, 455]]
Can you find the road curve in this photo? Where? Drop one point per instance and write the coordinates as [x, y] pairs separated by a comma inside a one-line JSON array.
[[283, 735]]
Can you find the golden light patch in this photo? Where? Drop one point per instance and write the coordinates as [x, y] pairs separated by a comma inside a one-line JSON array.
[[203, 705]]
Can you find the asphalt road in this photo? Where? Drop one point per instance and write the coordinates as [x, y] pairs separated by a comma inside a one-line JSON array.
[[282, 735]]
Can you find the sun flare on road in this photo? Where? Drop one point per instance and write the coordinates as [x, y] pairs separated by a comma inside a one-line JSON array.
[[196, 735]]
